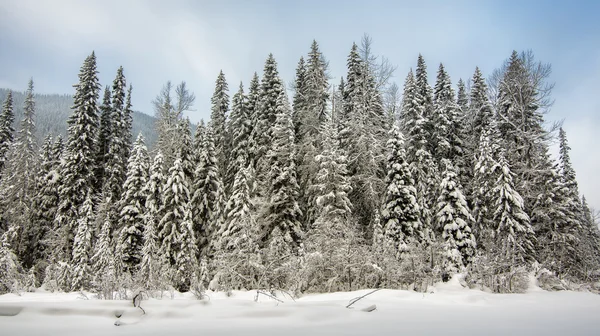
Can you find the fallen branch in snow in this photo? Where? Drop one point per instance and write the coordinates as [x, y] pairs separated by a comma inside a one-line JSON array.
[[353, 301], [266, 294], [137, 300]]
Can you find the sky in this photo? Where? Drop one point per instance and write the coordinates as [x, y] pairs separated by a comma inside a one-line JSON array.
[[179, 40]]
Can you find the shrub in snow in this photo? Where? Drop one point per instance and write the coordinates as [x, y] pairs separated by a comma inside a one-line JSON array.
[[11, 277]]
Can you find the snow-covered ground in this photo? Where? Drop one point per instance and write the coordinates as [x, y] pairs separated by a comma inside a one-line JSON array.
[[448, 309]]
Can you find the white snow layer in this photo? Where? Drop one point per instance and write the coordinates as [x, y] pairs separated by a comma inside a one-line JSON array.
[[446, 309]]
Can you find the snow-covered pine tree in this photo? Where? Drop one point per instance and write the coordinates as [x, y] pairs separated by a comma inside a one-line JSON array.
[[514, 233], [11, 278], [133, 207], [77, 168], [454, 216], [208, 194], [175, 196], [127, 125], [115, 169], [331, 182], [18, 183], [103, 267], [299, 101], [6, 128], [186, 263], [424, 90], [401, 212], [422, 166], [239, 130], [153, 266], [282, 213], [198, 142], [332, 240], [447, 133], [462, 98], [239, 229], [104, 136], [253, 100], [361, 127], [185, 148], [590, 236], [271, 88], [311, 110], [482, 185], [218, 118], [82, 246]]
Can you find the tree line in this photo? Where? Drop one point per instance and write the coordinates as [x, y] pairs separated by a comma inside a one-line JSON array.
[[341, 187]]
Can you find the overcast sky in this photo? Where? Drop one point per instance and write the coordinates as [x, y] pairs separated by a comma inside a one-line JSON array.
[[156, 41]]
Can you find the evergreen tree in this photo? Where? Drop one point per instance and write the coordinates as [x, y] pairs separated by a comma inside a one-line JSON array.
[[186, 264], [18, 184], [253, 101], [175, 196], [454, 216], [218, 117], [484, 180], [6, 128], [514, 228], [127, 125], [240, 130], [105, 133], [198, 142], [103, 266], [270, 89], [447, 123], [133, 206], [115, 161], [331, 182], [208, 194], [300, 100], [239, 229], [401, 213], [77, 168], [82, 246], [462, 98], [282, 210], [10, 266], [424, 90], [421, 164], [153, 265]]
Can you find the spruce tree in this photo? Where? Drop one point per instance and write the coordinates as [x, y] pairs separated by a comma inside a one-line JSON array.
[[175, 196], [19, 182], [454, 216], [208, 194], [253, 100], [401, 213], [186, 264], [153, 265], [238, 231], [105, 133], [103, 266], [82, 246], [271, 88], [77, 168], [462, 98], [300, 100], [115, 161], [282, 213], [421, 164], [514, 228], [6, 128], [133, 206], [218, 117], [240, 130]]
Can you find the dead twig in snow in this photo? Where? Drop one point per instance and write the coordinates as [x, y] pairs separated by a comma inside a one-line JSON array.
[[353, 301]]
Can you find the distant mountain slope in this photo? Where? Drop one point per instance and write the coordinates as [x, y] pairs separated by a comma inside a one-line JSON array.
[[52, 112]]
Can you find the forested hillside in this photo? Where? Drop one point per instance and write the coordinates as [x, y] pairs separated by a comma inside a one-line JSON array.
[[324, 187], [53, 110]]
